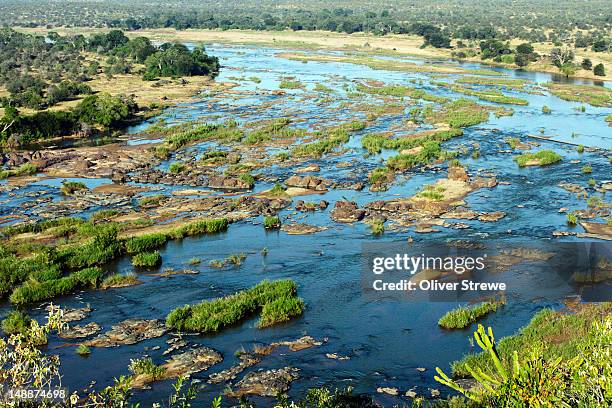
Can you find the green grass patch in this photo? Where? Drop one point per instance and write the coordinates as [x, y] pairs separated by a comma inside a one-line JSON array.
[[541, 158], [71, 187], [177, 167], [83, 350], [23, 170], [119, 280], [215, 315], [33, 291], [463, 316], [271, 222], [401, 91], [555, 334], [432, 192], [457, 114], [317, 149], [290, 84], [593, 95], [147, 259]]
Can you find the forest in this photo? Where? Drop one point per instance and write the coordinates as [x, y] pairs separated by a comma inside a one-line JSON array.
[[587, 26]]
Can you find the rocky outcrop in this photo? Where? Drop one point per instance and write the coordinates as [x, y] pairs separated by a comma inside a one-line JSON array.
[[184, 364], [301, 229], [347, 212], [309, 182], [246, 360], [79, 332], [268, 383], [129, 331], [228, 183]]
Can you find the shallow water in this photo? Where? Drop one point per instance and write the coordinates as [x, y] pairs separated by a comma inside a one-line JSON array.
[[385, 338]]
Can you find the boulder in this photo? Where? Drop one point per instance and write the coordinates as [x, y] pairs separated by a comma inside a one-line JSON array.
[[347, 212], [268, 383]]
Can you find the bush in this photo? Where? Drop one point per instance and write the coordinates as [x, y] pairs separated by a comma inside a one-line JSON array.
[[177, 167], [147, 259], [377, 226], [83, 350], [572, 219], [248, 179], [70, 187], [16, 322], [558, 357], [546, 109], [587, 169], [580, 149], [599, 70], [145, 366], [271, 222]]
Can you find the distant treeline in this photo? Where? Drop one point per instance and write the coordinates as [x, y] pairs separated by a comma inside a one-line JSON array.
[[586, 23]]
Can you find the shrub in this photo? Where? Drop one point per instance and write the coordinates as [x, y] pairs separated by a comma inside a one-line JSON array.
[[177, 167], [271, 222], [16, 322], [147, 259], [83, 350], [377, 226], [70, 187], [236, 259], [587, 169], [248, 179], [558, 357], [277, 190], [546, 110], [592, 182], [145, 366], [580, 149], [150, 201], [462, 316], [572, 219]]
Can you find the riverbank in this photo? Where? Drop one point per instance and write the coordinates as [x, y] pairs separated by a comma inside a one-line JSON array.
[[396, 44]]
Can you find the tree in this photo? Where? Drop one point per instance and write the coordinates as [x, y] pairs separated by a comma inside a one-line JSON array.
[[561, 56], [175, 60], [437, 40], [105, 109], [600, 45], [521, 60], [587, 64], [568, 69], [524, 48], [599, 70]]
